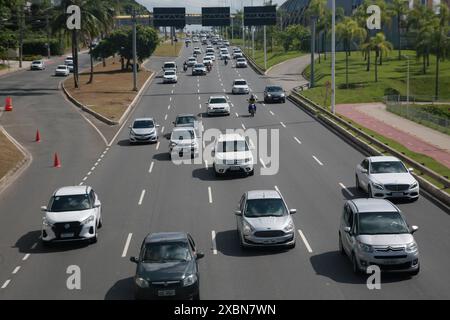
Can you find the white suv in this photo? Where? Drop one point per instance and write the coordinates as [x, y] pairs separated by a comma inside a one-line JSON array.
[[73, 213], [232, 153], [183, 140]]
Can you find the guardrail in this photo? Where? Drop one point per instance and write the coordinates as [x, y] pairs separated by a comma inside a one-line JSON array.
[[253, 64], [355, 134]]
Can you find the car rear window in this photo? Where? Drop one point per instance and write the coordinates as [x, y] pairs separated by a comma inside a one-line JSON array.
[[240, 83], [169, 65], [185, 120], [217, 100]]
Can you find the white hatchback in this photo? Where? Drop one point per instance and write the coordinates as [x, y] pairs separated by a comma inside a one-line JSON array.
[[232, 154], [240, 86]]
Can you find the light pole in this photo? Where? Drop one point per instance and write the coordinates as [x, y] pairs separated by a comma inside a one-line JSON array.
[[313, 48], [134, 52], [407, 85], [243, 27], [333, 55]]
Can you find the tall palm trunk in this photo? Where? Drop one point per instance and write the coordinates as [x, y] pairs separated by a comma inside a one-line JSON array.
[[91, 76], [346, 70], [424, 65], [368, 60], [376, 65], [75, 78], [399, 38], [438, 49]]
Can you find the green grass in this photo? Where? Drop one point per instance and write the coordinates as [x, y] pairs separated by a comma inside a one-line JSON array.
[[274, 57], [2, 66], [166, 49], [391, 77]]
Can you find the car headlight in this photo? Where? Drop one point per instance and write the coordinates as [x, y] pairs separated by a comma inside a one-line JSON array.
[[172, 144], [365, 247], [289, 228], [189, 280], [141, 283], [269, 95], [378, 186], [414, 185], [411, 247], [89, 219], [247, 229], [132, 133], [282, 95], [246, 160], [47, 223]]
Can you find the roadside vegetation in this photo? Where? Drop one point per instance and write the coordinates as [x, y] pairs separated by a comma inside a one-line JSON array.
[[10, 156], [166, 49]]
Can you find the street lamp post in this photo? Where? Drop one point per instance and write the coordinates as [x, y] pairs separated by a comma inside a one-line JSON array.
[[313, 48], [134, 52], [333, 55]]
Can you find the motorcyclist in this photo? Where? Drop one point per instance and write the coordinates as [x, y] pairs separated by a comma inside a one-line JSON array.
[[185, 66], [208, 66], [226, 60], [252, 105]]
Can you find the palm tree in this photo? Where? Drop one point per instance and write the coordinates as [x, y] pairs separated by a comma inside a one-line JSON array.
[[348, 31], [318, 8], [380, 45], [441, 40], [398, 8]]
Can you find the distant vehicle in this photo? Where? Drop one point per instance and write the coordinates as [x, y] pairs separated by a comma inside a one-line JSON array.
[[227, 43], [238, 54], [232, 154], [62, 70], [170, 76], [241, 63], [37, 65], [240, 86], [199, 69], [69, 59], [167, 267], [169, 65], [197, 50], [73, 213], [143, 130], [264, 220], [187, 40], [218, 105], [195, 39], [211, 56], [386, 177], [188, 120], [184, 140], [192, 61], [274, 94], [71, 67], [374, 232], [224, 55], [207, 61]]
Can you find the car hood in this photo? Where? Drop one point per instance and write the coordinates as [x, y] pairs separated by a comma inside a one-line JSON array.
[[218, 105], [393, 178], [183, 142], [143, 130], [386, 239], [165, 271], [276, 93], [269, 223], [233, 155], [169, 76], [68, 216]]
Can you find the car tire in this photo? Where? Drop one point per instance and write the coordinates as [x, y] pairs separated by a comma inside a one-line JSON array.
[[94, 239], [251, 173], [291, 246], [100, 223], [284, 100], [355, 266], [341, 247]]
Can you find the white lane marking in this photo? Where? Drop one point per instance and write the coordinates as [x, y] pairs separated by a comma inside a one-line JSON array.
[[198, 90], [151, 167], [34, 246], [157, 145], [165, 117], [85, 178], [142, 197], [93, 168], [206, 164], [107, 148], [200, 106], [284, 126], [162, 129], [16, 270], [276, 188], [264, 104], [170, 99], [213, 237], [345, 188], [262, 162], [198, 97], [318, 161], [172, 91], [89, 173], [237, 115], [232, 104], [6, 284], [224, 90], [308, 247], [26, 257], [104, 152], [298, 141], [271, 112], [96, 164], [210, 195], [81, 183], [243, 127], [221, 84], [228, 97], [127, 244], [101, 157], [168, 107]]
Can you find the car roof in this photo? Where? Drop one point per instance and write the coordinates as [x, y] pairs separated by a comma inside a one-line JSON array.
[[230, 137], [165, 236], [239, 80], [72, 190], [192, 58], [214, 97], [185, 115], [143, 119], [263, 194], [382, 158], [169, 62], [182, 129], [62, 66], [373, 205]]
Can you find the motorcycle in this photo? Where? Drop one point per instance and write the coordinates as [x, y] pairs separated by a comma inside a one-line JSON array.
[[208, 67], [252, 109], [185, 67], [226, 61]]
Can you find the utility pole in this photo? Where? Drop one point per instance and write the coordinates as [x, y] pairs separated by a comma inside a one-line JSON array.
[[243, 27], [48, 35], [313, 48], [253, 38], [20, 17], [333, 55], [265, 49], [134, 51]]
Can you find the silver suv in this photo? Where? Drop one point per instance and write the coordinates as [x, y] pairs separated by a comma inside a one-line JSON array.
[[374, 232], [263, 219]]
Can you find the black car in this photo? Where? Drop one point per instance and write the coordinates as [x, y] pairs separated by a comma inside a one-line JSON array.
[[167, 267], [274, 94]]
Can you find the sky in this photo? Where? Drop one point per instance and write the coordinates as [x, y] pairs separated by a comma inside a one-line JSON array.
[[194, 6]]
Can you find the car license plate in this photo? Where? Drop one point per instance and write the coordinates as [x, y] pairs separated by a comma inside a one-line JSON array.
[[166, 293], [235, 168], [397, 194], [67, 235]]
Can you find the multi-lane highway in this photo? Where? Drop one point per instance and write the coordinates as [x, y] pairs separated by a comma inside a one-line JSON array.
[[142, 191]]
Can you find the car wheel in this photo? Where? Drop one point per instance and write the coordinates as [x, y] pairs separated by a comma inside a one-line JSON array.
[[95, 238], [46, 243], [355, 266], [284, 100], [291, 246], [341, 247], [251, 173], [358, 186]]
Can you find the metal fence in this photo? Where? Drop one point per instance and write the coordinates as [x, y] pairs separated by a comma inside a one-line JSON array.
[[411, 110]]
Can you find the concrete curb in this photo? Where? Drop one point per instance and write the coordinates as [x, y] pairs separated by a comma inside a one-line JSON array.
[[253, 64], [335, 124], [13, 174]]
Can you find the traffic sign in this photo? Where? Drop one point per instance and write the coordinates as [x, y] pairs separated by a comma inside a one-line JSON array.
[[260, 16], [169, 17], [215, 16]]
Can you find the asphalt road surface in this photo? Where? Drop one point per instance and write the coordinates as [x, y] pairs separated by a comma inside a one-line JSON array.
[[142, 191]]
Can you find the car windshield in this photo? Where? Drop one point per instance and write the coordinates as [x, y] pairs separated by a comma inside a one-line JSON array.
[[143, 124], [170, 73], [199, 65], [169, 66], [166, 252], [185, 120], [62, 67], [387, 167], [36, 62], [274, 89], [217, 100], [241, 59], [265, 208], [240, 83], [183, 135], [70, 203], [232, 146], [192, 59], [381, 223]]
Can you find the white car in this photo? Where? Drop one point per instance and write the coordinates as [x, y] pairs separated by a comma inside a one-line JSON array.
[[218, 105], [211, 56], [232, 154], [207, 61], [227, 43], [62, 70], [183, 140], [37, 65], [240, 86], [241, 63], [224, 55], [169, 65], [71, 67], [143, 130], [386, 177], [170, 76], [69, 59], [73, 213], [192, 61], [197, 50]]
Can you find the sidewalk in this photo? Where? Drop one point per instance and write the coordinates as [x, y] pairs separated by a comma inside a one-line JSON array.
[[13, 66], [412, 135]]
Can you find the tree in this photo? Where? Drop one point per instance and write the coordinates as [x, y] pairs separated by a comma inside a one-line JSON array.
[[380, 45], [319, 9], [398, 8], [347, 31], [441, 40]]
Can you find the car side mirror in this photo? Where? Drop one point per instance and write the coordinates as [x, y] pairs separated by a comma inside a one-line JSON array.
[[364, 171], [97, 204], [292, 211], [129, 127], [411, 169], [238, 212], [199, 255], [44, 208], [414, 229], [134, 259], [348, 230]]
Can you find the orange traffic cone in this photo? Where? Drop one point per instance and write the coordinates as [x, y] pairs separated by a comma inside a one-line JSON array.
[[56, 162], [8, 104], [38, 136]]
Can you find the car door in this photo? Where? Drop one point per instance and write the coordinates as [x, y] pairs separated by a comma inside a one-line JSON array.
[[193, 250], [347, 238], [363, 176]]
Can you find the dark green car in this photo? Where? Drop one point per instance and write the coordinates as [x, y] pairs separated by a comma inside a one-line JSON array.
[[167, 267]]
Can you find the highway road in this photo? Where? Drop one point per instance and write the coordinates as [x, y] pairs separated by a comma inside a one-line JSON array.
[[142, 191]]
